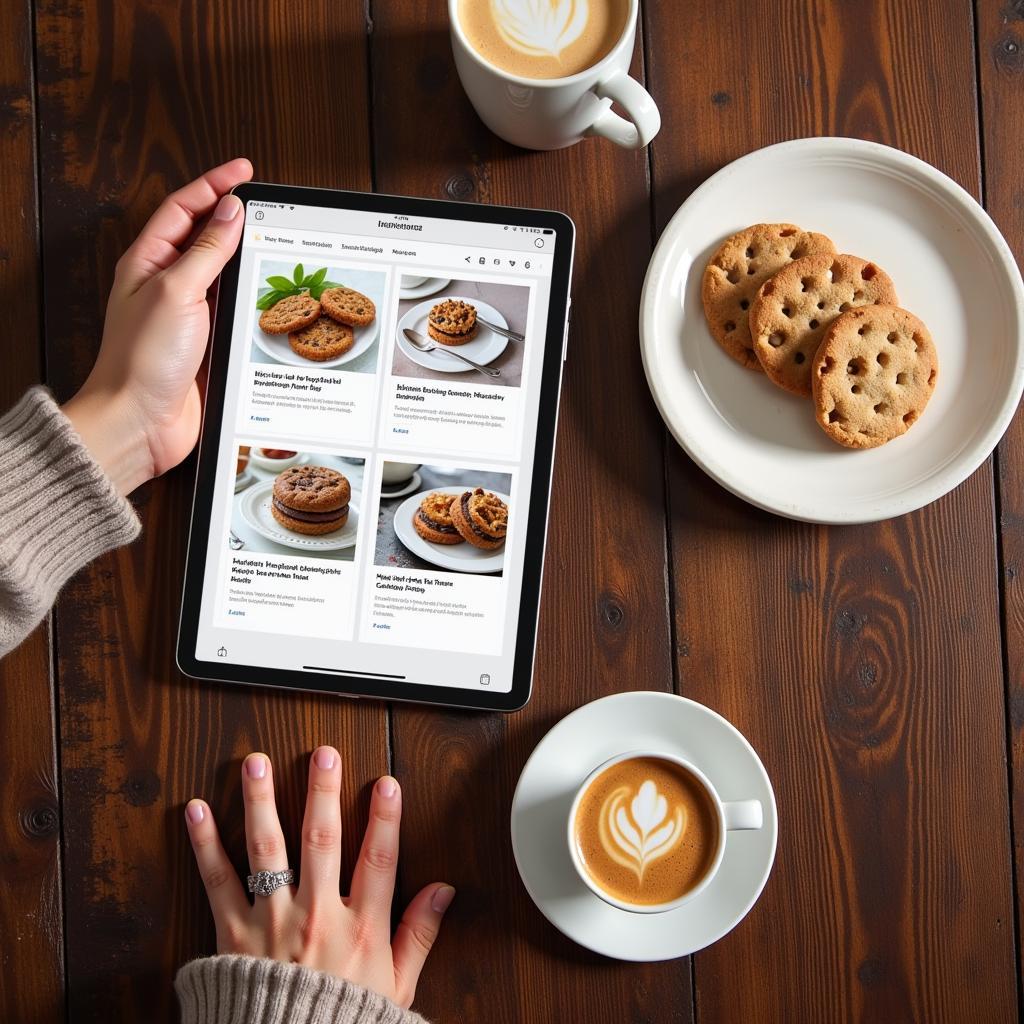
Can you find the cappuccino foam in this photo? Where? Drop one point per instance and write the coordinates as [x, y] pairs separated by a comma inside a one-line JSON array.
[[646, 831], [543, 38]]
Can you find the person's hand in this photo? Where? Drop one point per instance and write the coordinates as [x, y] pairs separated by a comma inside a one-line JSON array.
[[138, 412], [313, 925]]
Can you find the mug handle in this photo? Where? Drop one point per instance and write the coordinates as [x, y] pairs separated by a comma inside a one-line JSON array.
[[645, 120], [742, 814]]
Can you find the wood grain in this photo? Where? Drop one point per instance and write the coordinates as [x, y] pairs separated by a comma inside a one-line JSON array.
[[604, 624], [863, 663], [32, 948], [1000, 32], [138, 99]]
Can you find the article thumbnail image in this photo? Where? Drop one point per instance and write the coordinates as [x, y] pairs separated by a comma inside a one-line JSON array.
[[290, 502], [442, 519], [317, 315], [461, 320]]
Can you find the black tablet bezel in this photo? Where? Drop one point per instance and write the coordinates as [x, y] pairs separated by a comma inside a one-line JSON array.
[[351, 685]]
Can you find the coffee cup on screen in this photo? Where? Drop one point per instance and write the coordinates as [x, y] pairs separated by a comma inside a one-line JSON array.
[[543, 74], [412, 281], [397, 472], [647, 831]]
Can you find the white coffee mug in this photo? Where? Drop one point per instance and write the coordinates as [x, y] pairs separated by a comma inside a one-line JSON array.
[[550, 113], [733, 816], [397, 472], [412, 281]]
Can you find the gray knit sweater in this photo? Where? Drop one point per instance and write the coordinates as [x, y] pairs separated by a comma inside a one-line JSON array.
[[59, 511]]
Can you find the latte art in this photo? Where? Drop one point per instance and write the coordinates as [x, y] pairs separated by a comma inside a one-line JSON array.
[[636, 832], [540, 28]]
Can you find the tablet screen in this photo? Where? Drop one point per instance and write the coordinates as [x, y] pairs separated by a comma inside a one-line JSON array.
[[372, 488]]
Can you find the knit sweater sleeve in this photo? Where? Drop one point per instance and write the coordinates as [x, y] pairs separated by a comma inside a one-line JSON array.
[[58, 511], [250, 990]]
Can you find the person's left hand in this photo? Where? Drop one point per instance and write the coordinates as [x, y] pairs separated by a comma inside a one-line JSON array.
[[313, 925], [138, 411]]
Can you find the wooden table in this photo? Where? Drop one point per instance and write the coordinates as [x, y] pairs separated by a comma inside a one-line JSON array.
[[877, 669]]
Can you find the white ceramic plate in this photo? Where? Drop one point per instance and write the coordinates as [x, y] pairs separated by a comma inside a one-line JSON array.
[[254, 508], [557, 767], [274, 465], [457, 557], [276, 346], [483, 349], [431, 286], [950, 266]]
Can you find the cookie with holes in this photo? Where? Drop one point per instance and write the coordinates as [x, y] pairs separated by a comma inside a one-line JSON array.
[[433, 519], [481, 518], [325, 339], [348, 306], [873, 375], [740, 265], [795, 308], [292, 313]]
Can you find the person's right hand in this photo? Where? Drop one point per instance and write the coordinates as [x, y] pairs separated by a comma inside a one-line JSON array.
[[313, 925]]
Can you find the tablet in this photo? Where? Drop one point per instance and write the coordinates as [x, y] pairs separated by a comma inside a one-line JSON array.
[[375, 462]]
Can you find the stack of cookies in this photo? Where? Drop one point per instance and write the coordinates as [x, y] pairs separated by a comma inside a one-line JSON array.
[[822, 325], [476, 517], [320, 330], [452, 322], [313, 500]]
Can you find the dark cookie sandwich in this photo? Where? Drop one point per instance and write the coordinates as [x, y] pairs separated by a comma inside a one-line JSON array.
[[452, 322], [311, 499], [348, 306], [433, 520], [290, 314], [481, 518]]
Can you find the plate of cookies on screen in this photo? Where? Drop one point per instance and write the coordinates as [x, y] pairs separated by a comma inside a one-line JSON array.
[[308, 320], [461, 529], [453, 323], [307, 507], [832, 329]]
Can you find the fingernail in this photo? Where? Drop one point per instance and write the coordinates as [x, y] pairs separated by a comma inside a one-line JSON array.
[[387, 787], [324, 758], [227, 208], [442, 899], [194, 811], [256, 766]]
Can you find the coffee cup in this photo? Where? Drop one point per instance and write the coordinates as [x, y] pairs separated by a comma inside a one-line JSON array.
[[647, 831], [397, 472], [521, 103], [413, 281]]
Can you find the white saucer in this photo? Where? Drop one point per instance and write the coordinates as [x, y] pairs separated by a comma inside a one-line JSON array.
[[560, 763], [483, 349], [950, 266], [431, 286], [456, 557], [410, 485], [254, 509]]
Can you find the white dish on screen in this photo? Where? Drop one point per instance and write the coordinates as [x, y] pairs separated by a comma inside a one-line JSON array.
[[426, 286], [950, 266], [483, 349], [456, 557], [401, 489], [274, 465], [276, 346], [254, 509], [554, 772]]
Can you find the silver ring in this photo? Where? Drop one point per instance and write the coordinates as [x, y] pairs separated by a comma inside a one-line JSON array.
[[264, 883]]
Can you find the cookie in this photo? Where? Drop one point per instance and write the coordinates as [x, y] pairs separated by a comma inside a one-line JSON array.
[[348, 306], [451, 339], [452, 317], [433, 520], [795, 308], [324, 339], [291, 313], [740, 265], [311, 499], [873, 375], [481, 518]]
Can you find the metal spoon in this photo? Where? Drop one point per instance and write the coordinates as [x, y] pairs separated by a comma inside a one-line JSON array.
[[418, 341], [234, 541]]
